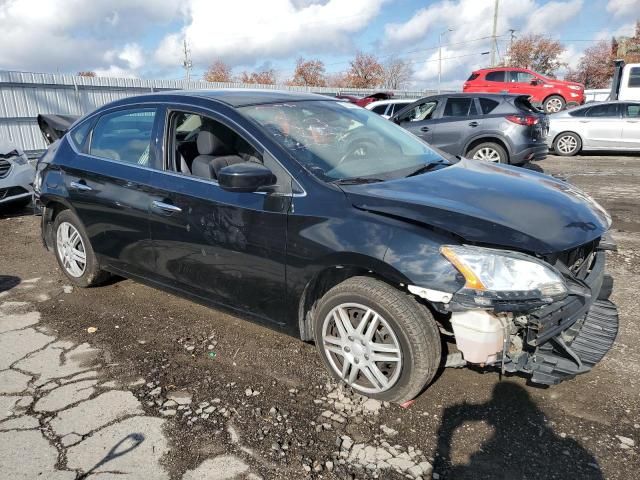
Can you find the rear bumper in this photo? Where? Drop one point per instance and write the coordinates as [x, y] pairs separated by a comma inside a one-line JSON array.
[[532, 152], [570, 337]]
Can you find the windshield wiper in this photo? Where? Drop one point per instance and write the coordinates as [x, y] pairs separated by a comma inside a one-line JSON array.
[[356, 180], [427, 168]]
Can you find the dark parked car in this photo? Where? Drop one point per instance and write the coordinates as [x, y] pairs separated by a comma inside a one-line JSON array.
[[330, 223], [495, 128]]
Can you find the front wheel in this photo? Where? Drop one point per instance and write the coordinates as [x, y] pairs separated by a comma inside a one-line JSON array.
[[567, 144], [489, 152], [553, 104], [377, 339]]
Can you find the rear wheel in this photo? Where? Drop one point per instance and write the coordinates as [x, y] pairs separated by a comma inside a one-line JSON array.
[[74, 253], [489, 152], [553, 104], [377, 339], [567, 144]]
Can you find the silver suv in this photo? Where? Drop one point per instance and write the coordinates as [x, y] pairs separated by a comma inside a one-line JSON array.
[[16, 176]]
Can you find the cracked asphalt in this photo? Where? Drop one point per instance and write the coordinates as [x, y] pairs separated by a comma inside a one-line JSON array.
[[164, 388]]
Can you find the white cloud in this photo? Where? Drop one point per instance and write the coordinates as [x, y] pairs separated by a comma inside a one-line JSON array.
[[72, 35], [550, 16], [620, 8], [247, 31]]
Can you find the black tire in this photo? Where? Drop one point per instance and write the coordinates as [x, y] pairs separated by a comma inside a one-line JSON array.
[[503, 156], [17, 205], [92, 274], [553, 104], [414, 327], [567, 144]]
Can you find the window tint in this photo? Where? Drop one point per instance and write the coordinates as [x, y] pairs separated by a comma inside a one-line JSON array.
[[473, 76], [124, 136], [487, 105], [380, 109], [607, 110], [521, 77], [79, 133], [495, 76], [632, 110], [579, 112], [634, 78], [459, 107]]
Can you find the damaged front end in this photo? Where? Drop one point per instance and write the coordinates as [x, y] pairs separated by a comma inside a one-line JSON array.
[[557, 323]]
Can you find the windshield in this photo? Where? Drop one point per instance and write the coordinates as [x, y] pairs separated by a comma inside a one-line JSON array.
[[339, 140]]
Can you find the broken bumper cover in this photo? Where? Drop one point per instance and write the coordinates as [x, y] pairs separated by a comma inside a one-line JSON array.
[[570, 337]]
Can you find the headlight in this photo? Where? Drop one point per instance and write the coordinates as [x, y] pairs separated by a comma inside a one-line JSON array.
[[575, 87], [17, 157], [505, 275]]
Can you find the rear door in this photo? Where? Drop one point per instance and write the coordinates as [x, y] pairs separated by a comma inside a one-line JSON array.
[[108, 185], [495, 82], [603, 126], [631, 126], [457, 120], [418, 119]]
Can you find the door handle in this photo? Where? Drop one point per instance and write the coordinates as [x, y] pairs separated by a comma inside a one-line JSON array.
[[81, 186], [424, 129], [166, 207], [473, 124]]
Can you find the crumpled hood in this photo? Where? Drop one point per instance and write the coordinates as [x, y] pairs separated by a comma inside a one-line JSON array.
[[490, 204]]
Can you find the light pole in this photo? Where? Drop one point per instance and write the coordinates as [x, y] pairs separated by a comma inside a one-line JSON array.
[[440, 55]]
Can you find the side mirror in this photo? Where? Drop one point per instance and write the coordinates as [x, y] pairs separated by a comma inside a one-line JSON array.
[[245, 177], [535, 81]]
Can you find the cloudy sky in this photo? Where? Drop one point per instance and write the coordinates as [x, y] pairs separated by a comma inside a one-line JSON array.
[[143, 38]]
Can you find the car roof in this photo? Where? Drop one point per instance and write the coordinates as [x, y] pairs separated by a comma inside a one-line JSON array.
[[240, 97], [501, 69], [476, 94], [395, 100]]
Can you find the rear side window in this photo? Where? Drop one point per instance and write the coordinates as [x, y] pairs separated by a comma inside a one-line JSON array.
[[634, 78], [79, 134], [579, 112], [473, 76], [632, 110], [380, 109], [607, 110], [495, 76], [459, 107], [487, 105], [124, 136]]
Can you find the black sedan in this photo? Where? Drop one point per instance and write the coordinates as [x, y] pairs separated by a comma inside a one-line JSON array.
[[323, 220]]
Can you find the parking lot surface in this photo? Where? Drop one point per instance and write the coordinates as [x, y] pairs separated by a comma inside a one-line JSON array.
[[127, 382]]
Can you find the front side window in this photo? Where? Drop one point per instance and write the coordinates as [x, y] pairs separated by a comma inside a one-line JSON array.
[[634, 78], [495, 76], [124, 136], [338, 141], [420, 112], [459, 107], [521, 77], [609, 110]]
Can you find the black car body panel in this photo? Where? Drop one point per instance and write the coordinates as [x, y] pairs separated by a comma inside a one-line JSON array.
[[264, 254]]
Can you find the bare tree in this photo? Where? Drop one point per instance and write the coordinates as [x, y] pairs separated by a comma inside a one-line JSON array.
[[264, 77], [397, 73], [338, 79], [218, 72], [538, 53], [365, 71], [595, 68], [87, 73], [309, 73]]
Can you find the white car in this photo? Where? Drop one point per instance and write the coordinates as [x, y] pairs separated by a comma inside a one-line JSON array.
[[596, 126], [16, 175], [386, 108]]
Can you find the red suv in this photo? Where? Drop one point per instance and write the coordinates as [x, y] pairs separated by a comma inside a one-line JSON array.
[[552, 95]]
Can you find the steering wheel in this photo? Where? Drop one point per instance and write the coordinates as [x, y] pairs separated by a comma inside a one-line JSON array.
[[359, 148]]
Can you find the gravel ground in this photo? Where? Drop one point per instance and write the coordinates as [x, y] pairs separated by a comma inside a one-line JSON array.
[[235, 397]]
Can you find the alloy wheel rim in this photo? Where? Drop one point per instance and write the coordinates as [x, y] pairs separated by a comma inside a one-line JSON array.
[[362, 348], [567, 144], [487, 154], [71, 250], [554, 105]]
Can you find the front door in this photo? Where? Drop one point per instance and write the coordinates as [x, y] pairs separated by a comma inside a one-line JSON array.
[[225, 247], [419, 118], [603, 126], [108, 185]]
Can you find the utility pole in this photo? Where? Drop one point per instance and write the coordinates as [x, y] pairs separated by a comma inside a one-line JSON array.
[[440, 55], [187, 63], [494, 44], [513, 37]]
